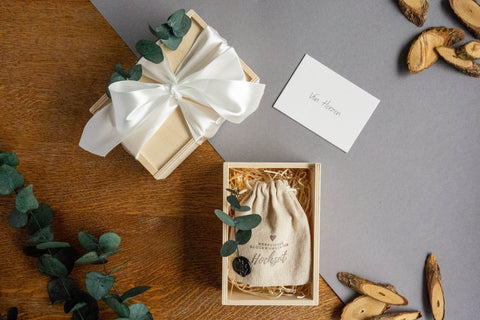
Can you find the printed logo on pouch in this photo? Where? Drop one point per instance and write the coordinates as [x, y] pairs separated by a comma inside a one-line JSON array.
[[273, 236], [272, 260], [326, 104]]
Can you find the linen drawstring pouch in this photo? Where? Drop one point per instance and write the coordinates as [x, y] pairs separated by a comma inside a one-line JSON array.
[[279, 249]]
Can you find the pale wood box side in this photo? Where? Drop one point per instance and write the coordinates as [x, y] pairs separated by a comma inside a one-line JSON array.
[[173, 142], [235, 297]]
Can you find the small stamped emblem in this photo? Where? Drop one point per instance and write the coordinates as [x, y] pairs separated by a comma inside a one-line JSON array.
[[272, 237]]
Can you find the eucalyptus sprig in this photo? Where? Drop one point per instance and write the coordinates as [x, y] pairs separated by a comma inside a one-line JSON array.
[[134, 73], [170, 34], [56, 259], [242, 228], [100, 284]]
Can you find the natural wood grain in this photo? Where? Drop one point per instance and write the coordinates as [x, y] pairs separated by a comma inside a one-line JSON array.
[[56, 57]]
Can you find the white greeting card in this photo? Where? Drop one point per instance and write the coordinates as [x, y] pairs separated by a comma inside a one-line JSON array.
[[326, 103]]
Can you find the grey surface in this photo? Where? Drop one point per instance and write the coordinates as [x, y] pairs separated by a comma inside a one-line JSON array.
[[409, 185]]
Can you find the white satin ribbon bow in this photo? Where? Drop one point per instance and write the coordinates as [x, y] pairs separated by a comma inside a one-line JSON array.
[[210, 74]]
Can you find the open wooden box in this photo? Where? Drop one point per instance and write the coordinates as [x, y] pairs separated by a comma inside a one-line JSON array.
[[232, 295], [173, 142]]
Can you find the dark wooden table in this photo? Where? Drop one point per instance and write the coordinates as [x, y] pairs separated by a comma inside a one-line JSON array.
[[56, 57]]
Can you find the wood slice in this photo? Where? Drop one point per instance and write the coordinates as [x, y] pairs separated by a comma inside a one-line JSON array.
[[435, 290], [363, 308], [469, 51], [422, 52], [415, 10], [469, 12], [369, 288], [468, 67], [398, 316]]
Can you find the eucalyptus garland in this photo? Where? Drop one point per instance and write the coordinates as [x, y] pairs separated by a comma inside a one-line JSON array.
[[170, 34], [242, 229], [56, 259]]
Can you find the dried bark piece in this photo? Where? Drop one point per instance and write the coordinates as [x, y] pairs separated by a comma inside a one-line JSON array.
[[469, 12], [434, 285], [398, 316], [469, 51], [369, 288], [468, 67], [422, 52], [415, 10], [363, 308]]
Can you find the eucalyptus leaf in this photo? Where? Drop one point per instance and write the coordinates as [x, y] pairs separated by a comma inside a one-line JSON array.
[[51, 266], [53, 244], [132, 293], [162, 32], [113, 301], [228, 248], [108, 254], [88, 312], [88, 241], [225, 218], [243, 209], [122, 72], [12, 314], [78, 306], [25, 200], [42, 235], [98, 285], [150, 50], [88, 258], [233, 200], [232, 191], [32, 251], [179, 22], [135, 72], [243, 236], [9, 158], [60, 289], [10, 179], [39, 218], [248, 222], [108, 242], [172, 42], [117, 268], [17, 219], [139, 311]]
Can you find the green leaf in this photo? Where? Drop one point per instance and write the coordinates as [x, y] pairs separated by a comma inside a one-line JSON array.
[[42, 235], [132, 293], [108, 242], [9, 158], [90, 311], [40, 218], [113, 301], [225, 218], [51, 245], [135, 72], [172, 42], [162, 32], [51, 266], [88, 241], [139, 311], [180, 23], [108, 254], [98, 285], [122, 72], [243, 236], [228, 248], [248, 222], [17, 219], [10, 179], [232, 191], [88, 258], [60, 289], [12, 314], [78, 306], [233, 200], [243, 209], [150, 50], [117, 268], [25, 200], [65, 255]]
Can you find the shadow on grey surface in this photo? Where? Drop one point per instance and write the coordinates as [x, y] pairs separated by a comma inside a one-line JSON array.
[[402, 66], [425, 298], [451, 15]]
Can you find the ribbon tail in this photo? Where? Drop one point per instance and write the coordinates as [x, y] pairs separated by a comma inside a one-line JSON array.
[[99, 135], [203, 122]]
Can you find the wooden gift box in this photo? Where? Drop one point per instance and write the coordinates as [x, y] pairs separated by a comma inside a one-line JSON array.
[[173, 142], [230, 294]]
